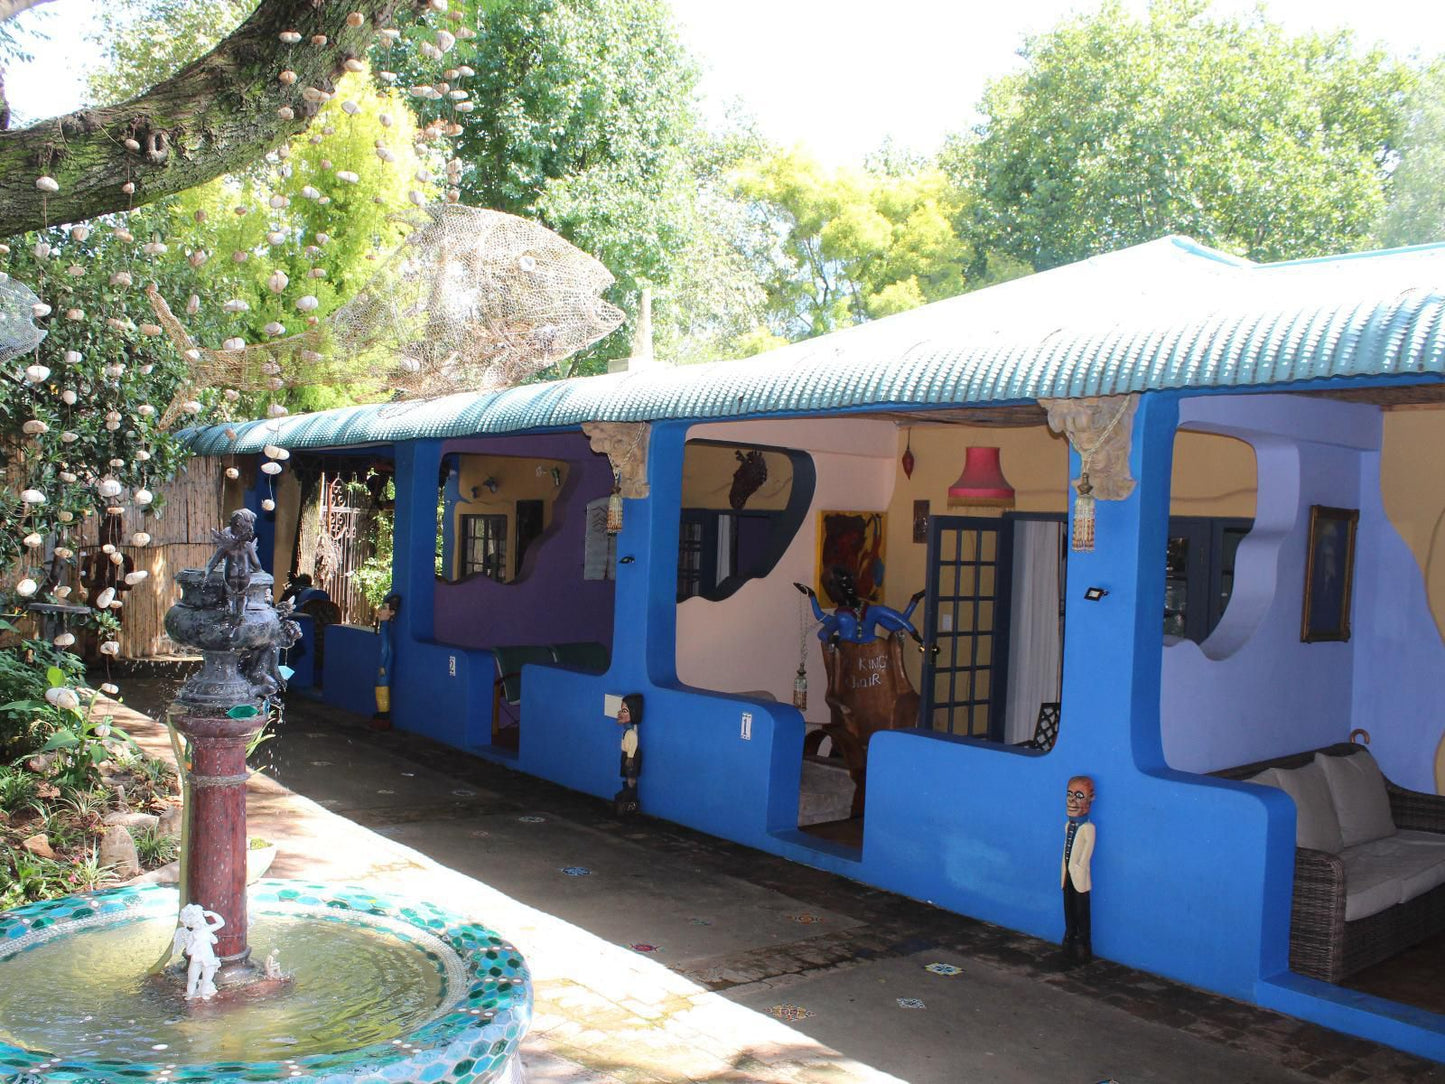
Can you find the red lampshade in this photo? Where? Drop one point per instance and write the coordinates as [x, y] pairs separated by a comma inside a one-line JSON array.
[[982, 481]]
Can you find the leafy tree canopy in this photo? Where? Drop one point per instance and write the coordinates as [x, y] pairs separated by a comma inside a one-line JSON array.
[[1121, 129], [1416, 213]]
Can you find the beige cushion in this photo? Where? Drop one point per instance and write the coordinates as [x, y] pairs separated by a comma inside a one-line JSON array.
[[1420, 858], [1316, 825], [1361, 802]]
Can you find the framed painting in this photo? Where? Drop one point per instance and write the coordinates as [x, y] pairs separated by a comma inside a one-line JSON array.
[[850, 542], [1329, 574]]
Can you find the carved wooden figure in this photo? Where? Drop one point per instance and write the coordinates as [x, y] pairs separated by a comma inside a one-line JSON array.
[[868, 691]]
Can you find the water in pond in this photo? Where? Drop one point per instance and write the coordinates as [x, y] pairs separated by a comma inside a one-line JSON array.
[[85, 995]]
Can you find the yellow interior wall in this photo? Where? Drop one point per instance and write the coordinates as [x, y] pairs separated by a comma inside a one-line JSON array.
[[1413, 487], [517, 479], [1212, 476], [707, 477]]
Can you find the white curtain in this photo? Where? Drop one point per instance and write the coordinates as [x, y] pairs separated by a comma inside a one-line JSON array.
[[1035, 656]]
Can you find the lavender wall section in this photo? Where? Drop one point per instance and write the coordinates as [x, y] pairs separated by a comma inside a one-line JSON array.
[[1399, 656], [552, 603], [1253, 690]]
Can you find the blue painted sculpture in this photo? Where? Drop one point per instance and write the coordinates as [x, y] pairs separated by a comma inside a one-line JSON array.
[[857, 621]]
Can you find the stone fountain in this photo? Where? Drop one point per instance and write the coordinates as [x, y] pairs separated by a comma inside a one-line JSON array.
[[381, 989]]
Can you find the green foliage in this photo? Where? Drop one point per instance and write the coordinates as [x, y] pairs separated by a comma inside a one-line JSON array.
[[374, 575], [1122, 129], [146, 41], [837, 248], [154, 848], [586, 120], [27, 671], [1416, 213]]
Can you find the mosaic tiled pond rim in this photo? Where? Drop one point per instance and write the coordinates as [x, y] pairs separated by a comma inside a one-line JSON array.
[[472, 1040]]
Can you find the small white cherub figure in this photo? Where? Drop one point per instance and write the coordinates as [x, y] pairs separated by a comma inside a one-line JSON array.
[[195, 937], [272, 966]]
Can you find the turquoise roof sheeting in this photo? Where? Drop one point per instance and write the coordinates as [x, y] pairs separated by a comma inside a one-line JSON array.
[[1168, 314]]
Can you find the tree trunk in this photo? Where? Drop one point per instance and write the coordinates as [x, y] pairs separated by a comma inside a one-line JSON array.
[[213, 116]]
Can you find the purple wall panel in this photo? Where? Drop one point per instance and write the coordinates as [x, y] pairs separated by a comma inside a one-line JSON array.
[[552, 603]]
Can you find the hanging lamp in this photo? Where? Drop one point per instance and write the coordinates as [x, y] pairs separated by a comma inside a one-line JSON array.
[[982, 482]]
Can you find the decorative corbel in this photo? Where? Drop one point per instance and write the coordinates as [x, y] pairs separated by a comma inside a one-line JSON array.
[[625, 446], [1100, 428]]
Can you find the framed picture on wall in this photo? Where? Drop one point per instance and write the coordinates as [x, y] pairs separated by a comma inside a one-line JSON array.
[[1329, 573], [852, 541]]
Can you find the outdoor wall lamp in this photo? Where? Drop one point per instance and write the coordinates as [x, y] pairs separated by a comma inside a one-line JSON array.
[[1094, 594]]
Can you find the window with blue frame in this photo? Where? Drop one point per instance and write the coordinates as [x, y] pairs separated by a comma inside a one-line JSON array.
[[1199, 573]]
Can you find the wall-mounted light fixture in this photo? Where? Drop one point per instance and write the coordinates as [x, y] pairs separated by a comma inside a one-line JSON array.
[[1094, 594], [982, 482], [490, 483]]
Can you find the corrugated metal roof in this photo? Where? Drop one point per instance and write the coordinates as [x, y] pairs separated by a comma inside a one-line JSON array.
[[1168, 314]]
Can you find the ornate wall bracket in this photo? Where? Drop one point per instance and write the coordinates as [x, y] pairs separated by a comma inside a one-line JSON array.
[[625, 446], [1100, 428]]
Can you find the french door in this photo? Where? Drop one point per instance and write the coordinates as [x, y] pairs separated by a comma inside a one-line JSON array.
[[965, 643]]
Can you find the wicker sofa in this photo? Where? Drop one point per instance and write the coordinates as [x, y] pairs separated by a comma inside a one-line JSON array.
[[1382, 888]]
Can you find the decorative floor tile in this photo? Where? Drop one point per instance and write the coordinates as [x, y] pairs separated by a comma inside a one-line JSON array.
[[576, 871], [530, 819], [643, 946], [464, 792], [943, 969], [911, 1003], [789, 1012], [700, 921], [807, 918]]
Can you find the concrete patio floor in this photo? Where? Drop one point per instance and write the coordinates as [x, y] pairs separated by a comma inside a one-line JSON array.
[[660, 954]]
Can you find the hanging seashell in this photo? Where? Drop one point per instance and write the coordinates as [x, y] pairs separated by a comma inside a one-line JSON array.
[[36, 374], [109, 487], [278, 202], [232, 473], [274, 329], [307, 303], [318, 39], [128, 188], [40, 310], [288, 77], [108, 548], [445, 40], [117, 558], [271, 468], [115, 370], [315, 94], [142, 497], [32, 496], [65, 515], [236, 304], [62, 698], [323, 238], [275, 451], [67, 437], [193, 304], [79, 233], [65, 639], [109, 690], [276, 410], [61, 592], [191, 354], [146, 369], [41, 250], [47, 184], [268, 505], [117, 462], [231, 395], [111, 648], [103, 599], [150, 329], [351, 64], [75, 271], [386, 76], [416, 198], [141, 453], [35, 427], [67, 477], [120, 278], [65, 553], [350, 108], [240, 256], [347, 176], [277, 282], [140, 538], [131, 145], [200, 256], [275, 237], [286, 113], [290, 37], [138, 576], [355, 19], [458, 95], [33, 540], [391, 34], [75, 314], [310, 193], [155, 248], [26, 587], [385, 154], [191, 406], [317, 272]]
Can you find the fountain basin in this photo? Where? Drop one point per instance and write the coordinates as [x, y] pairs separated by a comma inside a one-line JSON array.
[[464, 994]]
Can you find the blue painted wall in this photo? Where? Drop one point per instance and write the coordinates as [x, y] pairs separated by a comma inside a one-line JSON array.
[[350, 660]]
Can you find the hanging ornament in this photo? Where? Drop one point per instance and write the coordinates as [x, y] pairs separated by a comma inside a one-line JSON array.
[[908, 459], [1083, 537], [614, 505], [800, 689]]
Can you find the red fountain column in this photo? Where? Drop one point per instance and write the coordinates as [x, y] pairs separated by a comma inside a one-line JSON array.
[[216, 867]]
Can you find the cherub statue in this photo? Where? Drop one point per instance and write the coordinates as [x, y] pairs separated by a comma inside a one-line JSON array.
[[236, 547], [196, 938]]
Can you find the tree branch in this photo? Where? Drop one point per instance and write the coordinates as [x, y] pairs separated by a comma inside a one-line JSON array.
[[11, 8], [213, 116]]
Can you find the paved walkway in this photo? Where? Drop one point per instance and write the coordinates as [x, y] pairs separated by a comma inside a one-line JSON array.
[[659, 954]]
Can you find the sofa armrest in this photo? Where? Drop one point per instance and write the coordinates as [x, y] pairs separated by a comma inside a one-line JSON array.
[[1416, 810], [1317, 915]]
